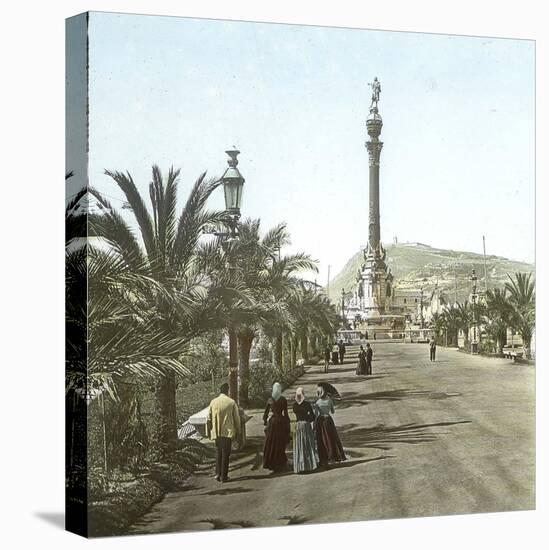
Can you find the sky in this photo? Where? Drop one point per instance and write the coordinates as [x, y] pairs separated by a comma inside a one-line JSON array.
[[458, 112]]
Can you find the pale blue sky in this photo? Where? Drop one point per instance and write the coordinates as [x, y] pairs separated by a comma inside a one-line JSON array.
[[458, 159]]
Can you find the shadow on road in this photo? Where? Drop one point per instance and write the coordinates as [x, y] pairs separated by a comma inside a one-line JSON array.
[[384, 437], [319, 471], [228, 491], [355, 399]]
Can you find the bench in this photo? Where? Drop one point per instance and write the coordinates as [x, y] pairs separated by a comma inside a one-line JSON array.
[[512, 354], [195, 427]]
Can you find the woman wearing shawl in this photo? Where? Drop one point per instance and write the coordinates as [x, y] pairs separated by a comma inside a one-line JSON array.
[[305, 455], [327, 439], [277, 431]]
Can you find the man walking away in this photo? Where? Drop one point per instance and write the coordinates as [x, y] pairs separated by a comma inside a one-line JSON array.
[[327, 352], [432, 348], [223, 426], [369, 355], [341, 349]]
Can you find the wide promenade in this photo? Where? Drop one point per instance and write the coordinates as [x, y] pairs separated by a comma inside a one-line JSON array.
[[422, 439]]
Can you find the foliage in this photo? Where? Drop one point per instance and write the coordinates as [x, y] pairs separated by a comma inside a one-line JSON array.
[[264, 375], [206, 357], [522, 297], [512, 306]]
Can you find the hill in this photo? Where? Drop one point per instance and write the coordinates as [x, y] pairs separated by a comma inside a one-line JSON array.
[[410, 263]]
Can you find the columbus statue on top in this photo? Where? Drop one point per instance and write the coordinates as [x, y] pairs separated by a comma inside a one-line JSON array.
[[376, 90]]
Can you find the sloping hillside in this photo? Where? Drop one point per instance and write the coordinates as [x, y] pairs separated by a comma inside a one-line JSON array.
[[410, 263]]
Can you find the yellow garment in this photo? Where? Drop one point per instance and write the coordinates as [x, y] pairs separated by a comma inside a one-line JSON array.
[[223, 418]]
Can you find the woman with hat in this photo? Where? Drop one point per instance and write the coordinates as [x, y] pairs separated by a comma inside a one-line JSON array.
[[305, 454]]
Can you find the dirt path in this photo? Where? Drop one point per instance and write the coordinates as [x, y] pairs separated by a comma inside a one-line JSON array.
[[422, 439]]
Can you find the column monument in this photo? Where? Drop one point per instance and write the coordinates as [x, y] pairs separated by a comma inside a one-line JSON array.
[[374, 291]]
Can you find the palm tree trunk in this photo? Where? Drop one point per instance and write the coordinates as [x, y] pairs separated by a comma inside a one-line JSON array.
[[293, 351], [233, 363], [526, 344], [278, 351], [304, 346], [164, 416], [245, 339]]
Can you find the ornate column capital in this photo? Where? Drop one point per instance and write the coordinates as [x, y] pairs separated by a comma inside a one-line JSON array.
[[374, 151]]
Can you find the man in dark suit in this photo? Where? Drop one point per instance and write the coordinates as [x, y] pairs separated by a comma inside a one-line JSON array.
[[341, 350], [369, 355], [432, 348]]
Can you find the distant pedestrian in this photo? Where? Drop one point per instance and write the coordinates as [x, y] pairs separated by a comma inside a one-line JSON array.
[[223, 426], [361, 364], [305, 453], [327, 352], [369, 355], [432, 348], [327, 440], [341, 350], [335, 354], [277, 431]]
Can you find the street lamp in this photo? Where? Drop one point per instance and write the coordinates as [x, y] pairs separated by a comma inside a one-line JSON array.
[[343, 307], [233, 182], [474, 343], [421, 303]]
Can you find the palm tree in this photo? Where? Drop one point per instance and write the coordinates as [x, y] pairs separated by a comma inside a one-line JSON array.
[[522, 298], [464, 318], [451, 323], [266, 280], [165, 255], [497, 316], [111, 332], [315, 316]]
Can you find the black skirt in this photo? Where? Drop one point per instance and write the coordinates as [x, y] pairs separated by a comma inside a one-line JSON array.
[[329, 445]]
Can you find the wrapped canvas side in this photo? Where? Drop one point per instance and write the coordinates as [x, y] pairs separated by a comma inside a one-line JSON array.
[[76, 275]]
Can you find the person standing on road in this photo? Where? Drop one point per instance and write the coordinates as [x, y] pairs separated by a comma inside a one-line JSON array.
[[341, 349], [361, 366], [369, 355], [335, 354], [223, 426], [327, 353], [432, 348], [327, 440], [305, 453], [277, 431]]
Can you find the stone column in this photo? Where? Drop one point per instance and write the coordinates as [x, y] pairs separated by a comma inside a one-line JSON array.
[[374, 124]]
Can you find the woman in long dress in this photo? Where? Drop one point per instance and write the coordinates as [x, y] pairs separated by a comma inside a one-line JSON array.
[[361, 367], [277, 431], [305, 454], [328, 443]]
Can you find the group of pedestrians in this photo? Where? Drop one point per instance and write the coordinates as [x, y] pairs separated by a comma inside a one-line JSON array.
[[364, 364], [334, 354], [316, 442]]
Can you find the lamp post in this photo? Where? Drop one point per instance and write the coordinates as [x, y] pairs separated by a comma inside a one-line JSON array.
[[343, 308], [474, 342], [233, 182], [421, 304]]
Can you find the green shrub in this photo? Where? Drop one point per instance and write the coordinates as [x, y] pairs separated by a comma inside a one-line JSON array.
[[262, 378]]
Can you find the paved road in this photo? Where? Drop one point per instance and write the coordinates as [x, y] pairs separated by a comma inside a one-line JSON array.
[[422, 439]]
